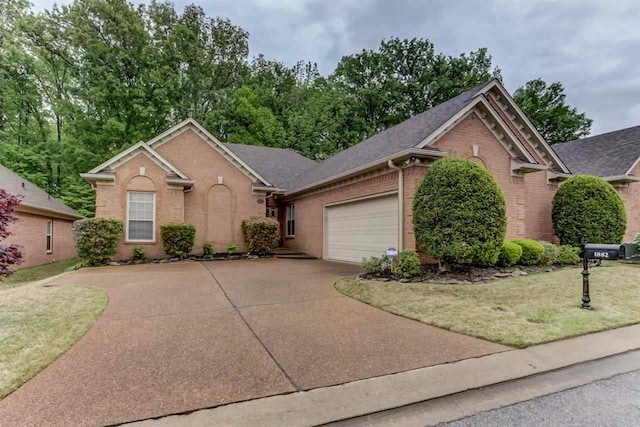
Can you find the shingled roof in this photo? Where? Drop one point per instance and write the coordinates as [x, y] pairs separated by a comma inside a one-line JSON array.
[[605, 155], [33, 196], [394, 140], [281, 167]]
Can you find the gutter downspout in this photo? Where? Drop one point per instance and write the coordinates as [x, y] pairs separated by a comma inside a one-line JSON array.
[[400, 204]]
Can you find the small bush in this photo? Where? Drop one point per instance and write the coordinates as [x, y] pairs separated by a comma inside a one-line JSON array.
[[177, 238], [231, 248], [139, 253], [97, 239], [261, 235], [376, 266], [407, 264], [588, 206], [532, 251], [549, 255], [510, 254], [567, 255], [207, 249], [637, 239], [459, 214]]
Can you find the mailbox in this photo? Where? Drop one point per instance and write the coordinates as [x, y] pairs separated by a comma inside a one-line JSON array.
[[600, 252], [596, 251]]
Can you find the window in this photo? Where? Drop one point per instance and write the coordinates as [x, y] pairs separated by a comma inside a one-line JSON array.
[[49, 236], [141, 213], [291, 220], [272, 213]]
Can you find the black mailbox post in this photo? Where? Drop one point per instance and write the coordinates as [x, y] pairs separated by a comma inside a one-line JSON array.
[[599, 252]]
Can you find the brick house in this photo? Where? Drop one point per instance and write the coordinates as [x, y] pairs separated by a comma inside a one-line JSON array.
[[352, 205], [44, 226], [615, 157]]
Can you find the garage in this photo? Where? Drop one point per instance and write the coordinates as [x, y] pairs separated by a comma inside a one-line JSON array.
[[361, 229]]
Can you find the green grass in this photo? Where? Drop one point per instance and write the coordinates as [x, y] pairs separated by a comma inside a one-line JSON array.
[[38, 323], [39, 272], [519, 311]]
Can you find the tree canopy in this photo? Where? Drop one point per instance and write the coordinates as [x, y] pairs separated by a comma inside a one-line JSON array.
[[80, 82], [545, 106]]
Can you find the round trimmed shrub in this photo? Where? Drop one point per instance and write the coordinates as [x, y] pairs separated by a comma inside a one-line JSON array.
[[177, 238], [510, 254], [532, 251], [588, 206], [97, 239], [549, 255], [261, 235], [406, 265], [376, 266], [459, 214], [567, 255]]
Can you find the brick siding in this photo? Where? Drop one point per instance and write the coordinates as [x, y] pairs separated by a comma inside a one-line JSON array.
[[31, 233]]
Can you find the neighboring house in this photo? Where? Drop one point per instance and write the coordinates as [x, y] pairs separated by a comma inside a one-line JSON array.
[[44, 226], [355, 204], [614, 156]]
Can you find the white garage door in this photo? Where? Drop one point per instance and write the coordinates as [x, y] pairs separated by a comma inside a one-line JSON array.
[[361, 229]]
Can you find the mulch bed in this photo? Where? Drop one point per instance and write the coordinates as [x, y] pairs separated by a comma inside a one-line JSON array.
[[464, 274], [215, 257]]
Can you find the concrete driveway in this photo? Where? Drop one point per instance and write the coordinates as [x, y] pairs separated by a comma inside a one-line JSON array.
[[184, 336]]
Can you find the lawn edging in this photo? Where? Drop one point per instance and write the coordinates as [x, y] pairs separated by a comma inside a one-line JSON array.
[[359, 398]]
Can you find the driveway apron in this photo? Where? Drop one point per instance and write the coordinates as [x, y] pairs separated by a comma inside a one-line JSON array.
[[183, 336]]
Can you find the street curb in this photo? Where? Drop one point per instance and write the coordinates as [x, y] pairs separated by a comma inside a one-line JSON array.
[[359, 398]]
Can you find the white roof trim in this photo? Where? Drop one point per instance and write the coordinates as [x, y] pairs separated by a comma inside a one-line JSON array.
[[44, 211], [98, 176], [496, 84], [143, 149], [621, 178], [460, 115], [518, 165], [209, 139], [384, 160], [633, 166]]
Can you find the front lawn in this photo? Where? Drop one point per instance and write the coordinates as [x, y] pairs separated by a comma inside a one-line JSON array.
[[516, 311], [38, 323], [39, 272]]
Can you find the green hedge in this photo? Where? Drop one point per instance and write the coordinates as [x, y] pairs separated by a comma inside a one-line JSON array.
[[261, 235], [407, 264], [550, 254], [376, 265], [532, 251], [459, 214], [567, 255], [588, 206], [510, 254], [177, 238], [97, 239]]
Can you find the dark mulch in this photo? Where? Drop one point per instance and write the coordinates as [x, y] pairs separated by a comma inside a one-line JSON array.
[[215, 257], [465, 274]]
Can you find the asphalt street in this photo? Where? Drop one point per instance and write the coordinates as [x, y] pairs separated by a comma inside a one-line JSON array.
[[612, 402]]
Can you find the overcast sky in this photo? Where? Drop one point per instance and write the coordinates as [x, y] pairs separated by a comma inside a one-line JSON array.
[[592, 47]]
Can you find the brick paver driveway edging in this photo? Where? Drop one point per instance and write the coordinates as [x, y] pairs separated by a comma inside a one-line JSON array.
[[184, 336]]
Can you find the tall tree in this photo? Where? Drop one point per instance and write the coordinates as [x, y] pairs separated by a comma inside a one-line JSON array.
[[545, 106], [406, 77], [198, 61]]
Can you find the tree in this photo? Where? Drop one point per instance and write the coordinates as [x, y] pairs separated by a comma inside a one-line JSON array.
[[10, 255], [546, 108], [406, 77], [459, 214], [588, 206]]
